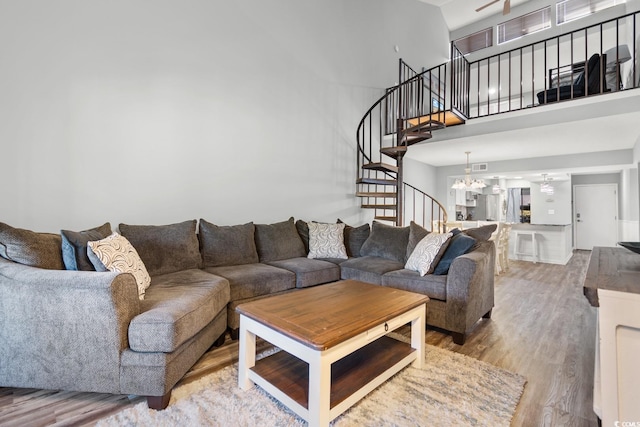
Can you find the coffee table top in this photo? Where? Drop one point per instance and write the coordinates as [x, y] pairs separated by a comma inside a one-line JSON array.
[[325, 315]]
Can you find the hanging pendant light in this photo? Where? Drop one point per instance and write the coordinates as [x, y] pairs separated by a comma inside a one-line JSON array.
[[468, 183]]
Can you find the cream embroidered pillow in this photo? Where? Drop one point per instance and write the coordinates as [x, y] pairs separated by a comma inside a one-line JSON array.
[[326, 241], [427, 253], [118, 255]]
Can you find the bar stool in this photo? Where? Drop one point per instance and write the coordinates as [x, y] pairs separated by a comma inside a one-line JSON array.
[[534, 247]]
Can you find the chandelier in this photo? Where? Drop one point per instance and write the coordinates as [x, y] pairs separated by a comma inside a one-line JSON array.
[[468, 182]]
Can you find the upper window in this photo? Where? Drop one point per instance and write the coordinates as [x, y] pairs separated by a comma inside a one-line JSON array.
[[476, 41], [525, 24], [568, 10]]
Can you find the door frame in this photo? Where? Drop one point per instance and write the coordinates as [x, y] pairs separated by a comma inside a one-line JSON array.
[[573, 209]]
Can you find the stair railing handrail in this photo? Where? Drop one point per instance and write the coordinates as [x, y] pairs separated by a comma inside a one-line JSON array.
[[441, 218], [384, 97], [393, 109], [493, 103]]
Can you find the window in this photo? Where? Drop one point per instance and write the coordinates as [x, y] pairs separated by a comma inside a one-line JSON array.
[[474, 42], [525, 24], [568, 10]]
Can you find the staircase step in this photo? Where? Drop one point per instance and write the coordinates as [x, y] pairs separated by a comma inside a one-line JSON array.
[[381, 167], [423, 124], [386, 207], [386, 218], [379, 194], [414, 138], [447, 118], [394, 152], [377, 181]]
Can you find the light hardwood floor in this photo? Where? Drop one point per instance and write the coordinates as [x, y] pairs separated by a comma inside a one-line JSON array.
[[542, 328]]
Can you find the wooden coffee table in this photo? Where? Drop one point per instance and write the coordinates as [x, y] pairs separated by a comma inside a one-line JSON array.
[[335, 348]]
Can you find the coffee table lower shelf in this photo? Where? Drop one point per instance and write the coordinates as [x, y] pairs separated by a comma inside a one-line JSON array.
[[349, 375]]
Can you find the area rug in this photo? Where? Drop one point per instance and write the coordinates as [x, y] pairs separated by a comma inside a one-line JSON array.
[[451, 389]]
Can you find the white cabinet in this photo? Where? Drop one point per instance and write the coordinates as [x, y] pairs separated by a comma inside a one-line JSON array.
[[617, 369], [465, 198]]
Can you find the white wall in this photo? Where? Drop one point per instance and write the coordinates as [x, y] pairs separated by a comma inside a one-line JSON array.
[[153, 112], [552, 209]]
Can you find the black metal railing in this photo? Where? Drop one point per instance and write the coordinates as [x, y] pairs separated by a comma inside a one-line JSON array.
[[423, 209], [593, 60], [418, 96]]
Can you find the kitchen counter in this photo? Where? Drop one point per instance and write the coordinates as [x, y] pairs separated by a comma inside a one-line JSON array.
[[554, 243]]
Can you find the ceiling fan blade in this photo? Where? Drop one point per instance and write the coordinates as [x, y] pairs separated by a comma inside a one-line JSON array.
[[487, 5], [507, 7]]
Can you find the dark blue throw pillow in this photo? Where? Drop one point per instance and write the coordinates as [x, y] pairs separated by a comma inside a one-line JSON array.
[[459, 245]]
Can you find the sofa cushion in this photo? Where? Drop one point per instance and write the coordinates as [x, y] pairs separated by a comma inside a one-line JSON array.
[[386, 241], [250, 280], [115, 253], [278, 241], [227, 245], [74, 246], [481, 233], [416, 233], [42, 250], [368, 268], [408, 280], [165, 248], [326, 241], [460, 244], [354, 238], [428, 252], [177, 306], [309, 272]]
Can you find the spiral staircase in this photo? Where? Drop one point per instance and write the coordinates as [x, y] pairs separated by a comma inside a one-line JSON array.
[[407, 114]]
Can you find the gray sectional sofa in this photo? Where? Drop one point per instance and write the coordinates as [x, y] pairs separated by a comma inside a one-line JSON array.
[[89, 331]]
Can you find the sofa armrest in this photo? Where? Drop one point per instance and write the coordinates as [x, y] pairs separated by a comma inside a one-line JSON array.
[[64, 329], [470, 287]]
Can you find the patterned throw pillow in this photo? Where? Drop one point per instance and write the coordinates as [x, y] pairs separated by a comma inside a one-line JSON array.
[[425, 256], [326, 241], [116, 254]]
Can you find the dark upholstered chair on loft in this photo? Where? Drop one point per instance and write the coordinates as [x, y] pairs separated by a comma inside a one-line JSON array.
[[572, 84]]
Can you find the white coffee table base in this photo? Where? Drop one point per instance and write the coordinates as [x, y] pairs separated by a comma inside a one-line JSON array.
[[319, 411]]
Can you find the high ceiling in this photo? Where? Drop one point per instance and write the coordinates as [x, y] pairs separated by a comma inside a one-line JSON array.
[[458, 13]]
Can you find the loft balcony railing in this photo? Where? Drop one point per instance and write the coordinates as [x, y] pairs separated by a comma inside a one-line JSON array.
[[601, 58]]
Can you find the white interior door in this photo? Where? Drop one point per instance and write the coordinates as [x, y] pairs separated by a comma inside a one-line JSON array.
[[595, 215]]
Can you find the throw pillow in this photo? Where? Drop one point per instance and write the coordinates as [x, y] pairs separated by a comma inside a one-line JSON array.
[[165, 248], [42, 250], [386, 241], [303, 232], [481, 233], [74, 246], [116, 254], [416, 233], [227, 245], [326, 241], [354, 238], [278, 241], [425, 256], [460, 244]]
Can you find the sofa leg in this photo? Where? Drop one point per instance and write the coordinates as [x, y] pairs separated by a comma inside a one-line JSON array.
[[458, 338], [159, 402], [219, 341], [487, 315], [235, 334]]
